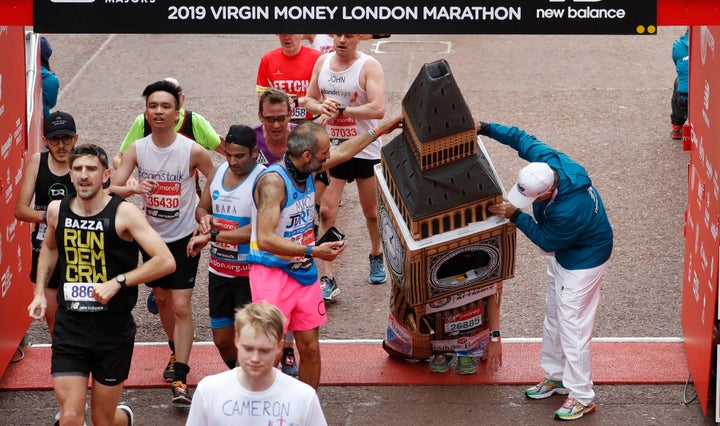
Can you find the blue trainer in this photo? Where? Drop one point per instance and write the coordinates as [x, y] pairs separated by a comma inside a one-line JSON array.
[[329, 288], [377, 269], [288, 363], [152, 306]]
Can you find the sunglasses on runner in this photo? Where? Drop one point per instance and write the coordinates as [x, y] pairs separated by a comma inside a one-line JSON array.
[[275, 119]]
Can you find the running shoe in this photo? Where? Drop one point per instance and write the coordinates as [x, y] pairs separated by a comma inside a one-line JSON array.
[[572, 409], [466, 365], [329, 289], [377, 269], [128, 412], [169, 372], [676, 132], [546, 389], [181, 393], [440, 363], [152, 306], [288, 363]]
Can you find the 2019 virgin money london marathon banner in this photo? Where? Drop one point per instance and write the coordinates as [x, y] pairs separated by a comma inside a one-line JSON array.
[[340, 16]]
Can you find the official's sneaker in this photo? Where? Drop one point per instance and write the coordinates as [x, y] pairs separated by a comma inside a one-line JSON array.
[[128, 412], [466, 365], [288, 363], [440, 363], [169, 372], [152, 306], [181, 393], [572, 409], [329, 288], [377, 269], [676, 132], [546, 389]]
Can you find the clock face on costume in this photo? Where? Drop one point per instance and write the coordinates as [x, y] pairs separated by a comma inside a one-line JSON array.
[[392, 246]]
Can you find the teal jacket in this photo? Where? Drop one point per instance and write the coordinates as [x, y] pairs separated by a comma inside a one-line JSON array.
[[573, 224]]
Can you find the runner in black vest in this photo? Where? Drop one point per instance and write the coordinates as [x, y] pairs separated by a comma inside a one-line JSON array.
[[93, 238], [47, 178]]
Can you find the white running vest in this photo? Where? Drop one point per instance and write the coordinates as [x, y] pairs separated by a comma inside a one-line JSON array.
[[232, 209], [170, 210], [344, 86]]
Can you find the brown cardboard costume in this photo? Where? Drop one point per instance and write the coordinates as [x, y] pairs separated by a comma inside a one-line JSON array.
[[444, 251]]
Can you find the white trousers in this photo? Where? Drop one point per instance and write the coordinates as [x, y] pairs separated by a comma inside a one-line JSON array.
[[571, 304]]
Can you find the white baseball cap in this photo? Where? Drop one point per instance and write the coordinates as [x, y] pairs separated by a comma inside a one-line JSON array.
[[534, 180]]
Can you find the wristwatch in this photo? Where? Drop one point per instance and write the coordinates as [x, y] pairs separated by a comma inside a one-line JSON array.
[[213, 235], [495, 336], [341, 109], [121, 280], [308, 251]]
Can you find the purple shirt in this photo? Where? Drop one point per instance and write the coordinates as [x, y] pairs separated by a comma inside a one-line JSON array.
[[265, 157]]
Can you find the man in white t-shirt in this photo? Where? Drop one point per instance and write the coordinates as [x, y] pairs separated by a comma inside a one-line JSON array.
[[255, 392]]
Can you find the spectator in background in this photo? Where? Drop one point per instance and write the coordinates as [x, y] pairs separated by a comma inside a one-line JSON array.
[[50, 82], [679, 101]]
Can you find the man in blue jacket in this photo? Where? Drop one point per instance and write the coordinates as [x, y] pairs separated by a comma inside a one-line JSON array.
[[570, 226], [679, 100]]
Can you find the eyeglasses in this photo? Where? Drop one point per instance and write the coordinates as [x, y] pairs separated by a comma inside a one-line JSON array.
[[65, 140], [275, 119]]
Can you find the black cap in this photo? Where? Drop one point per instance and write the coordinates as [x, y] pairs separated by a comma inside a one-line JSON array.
[[242, 135], [59, 123]]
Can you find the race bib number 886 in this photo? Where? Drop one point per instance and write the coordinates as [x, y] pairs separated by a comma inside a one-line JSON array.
[[79, 292]]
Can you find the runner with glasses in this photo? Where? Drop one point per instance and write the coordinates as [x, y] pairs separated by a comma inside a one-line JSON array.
[[47, 178]]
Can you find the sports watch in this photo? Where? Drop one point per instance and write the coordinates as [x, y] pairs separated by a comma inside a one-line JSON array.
[[213, 235], [341, 109], [495, 336], [121, 280]]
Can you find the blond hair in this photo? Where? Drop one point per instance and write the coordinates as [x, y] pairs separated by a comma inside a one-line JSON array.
[[263, 317]]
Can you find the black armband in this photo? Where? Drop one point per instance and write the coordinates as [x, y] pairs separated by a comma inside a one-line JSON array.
[[484, 129], [515, 215]]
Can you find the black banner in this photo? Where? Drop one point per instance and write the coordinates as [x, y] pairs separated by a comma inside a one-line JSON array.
[[341, 16]]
